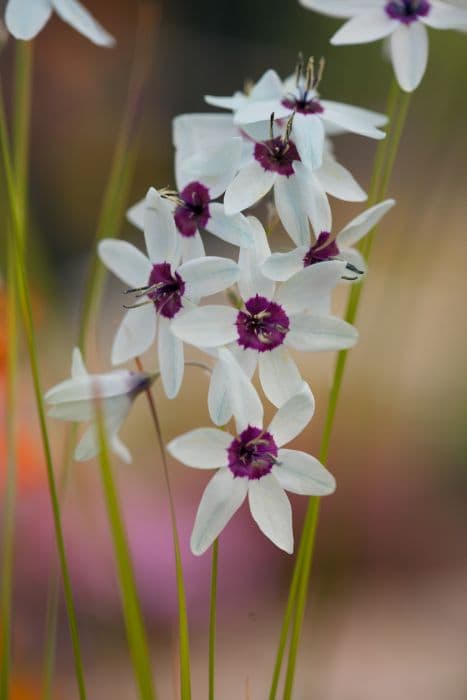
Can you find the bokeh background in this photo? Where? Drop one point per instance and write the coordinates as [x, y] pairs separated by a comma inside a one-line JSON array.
[[388, 607]]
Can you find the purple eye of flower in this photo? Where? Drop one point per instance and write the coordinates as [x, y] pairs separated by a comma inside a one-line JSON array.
[[303, 104], [263, 325], [407, 11], [165, 290], [252, 454], [194, 212], [278, 155], [321, 251]]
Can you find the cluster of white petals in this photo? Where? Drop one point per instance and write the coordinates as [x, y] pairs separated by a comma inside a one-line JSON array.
[[276, 139]]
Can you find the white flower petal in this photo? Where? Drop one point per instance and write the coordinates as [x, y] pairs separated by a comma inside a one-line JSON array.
[[203, 448], [363, 223], [281, 266], [349, 120], [192, 247], [171, 358], [244, 400], [208, 275], [271, 511], [119, 449], [293, 416], [312, 333], [409, 53], [206, 326], [338, 8], [24, 20], [78, 368], [221, 499], [234, 102], [233, 229], [444, 16], [215, 167], [309, 286], [355, 258], [135, 214], [88, 387], [192, 132], [135, 334], [247, 188], [369, 26], [75, 14], [219, 404], [114, 413], [357, 114], [267, 87], [314, 200], [338, 182], [251, 280], [301, 473], [308, 136], [160, 232], [125, 261], [260, 111], [279, 376], [291, 209]]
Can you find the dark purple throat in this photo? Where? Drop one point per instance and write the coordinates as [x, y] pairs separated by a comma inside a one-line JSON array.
[[407, 11], [277, 155], [303, 104], [263, 325], [321, 251], [166, 290], [252, 454], [194, 212]]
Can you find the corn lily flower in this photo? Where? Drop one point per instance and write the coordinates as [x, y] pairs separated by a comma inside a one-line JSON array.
[[25, 19]]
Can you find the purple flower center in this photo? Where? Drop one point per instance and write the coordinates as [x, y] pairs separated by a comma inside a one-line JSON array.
[[303, 104], [194, 212], [252, 454], [321, 251], [263, 325], [278, 155], [407, 11], [166, 290]]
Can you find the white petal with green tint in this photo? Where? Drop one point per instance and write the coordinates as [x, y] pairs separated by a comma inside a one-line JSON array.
[[363, 223], [409, 53], [203, 448], [312, 333], [299, 472], [159, 228], [271, 511], [171, 358], [293, 416], [135, 334], [233, 229], [248, 187], [308, 287], [282, 266], [279, 375], [24, 20]]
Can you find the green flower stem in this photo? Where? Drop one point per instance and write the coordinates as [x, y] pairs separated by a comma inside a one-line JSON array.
[[213, 619], [21, 288], [136, 633], [397, 109], [184, 641], [22, 121]]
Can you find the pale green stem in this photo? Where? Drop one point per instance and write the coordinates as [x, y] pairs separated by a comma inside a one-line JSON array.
[[24, 299], [397, 109], [137, 639], [184, 638], [213, 620], [22, 121]]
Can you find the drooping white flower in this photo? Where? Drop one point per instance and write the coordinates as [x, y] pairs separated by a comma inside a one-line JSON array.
[[270, 320], [192, 133], [163, 287], [83, 395], [313, 116], [25, 19], [200, 181], [325, 246], [254, 464], [404, 21]]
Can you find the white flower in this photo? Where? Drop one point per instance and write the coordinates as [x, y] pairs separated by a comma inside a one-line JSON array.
[[405, 21], [313, 116], [76, 399], [254, 463], [25, 19], [163, 288], [281, 266], [295, 315], [201, 180]]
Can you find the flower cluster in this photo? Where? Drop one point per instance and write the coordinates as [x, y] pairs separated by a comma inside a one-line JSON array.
[[274, 139]]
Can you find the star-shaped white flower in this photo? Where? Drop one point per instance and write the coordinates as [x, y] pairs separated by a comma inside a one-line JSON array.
[[325, 246], [76, 399], [404, 21], [25, 19], [163, 289], [200, 182], [269, 321], [254, 464]]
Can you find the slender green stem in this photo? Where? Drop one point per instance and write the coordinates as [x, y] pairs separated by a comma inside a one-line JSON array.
[[21, 120], [397, 109], [21, 288], [185, 673], [213, 619], [137, 640]]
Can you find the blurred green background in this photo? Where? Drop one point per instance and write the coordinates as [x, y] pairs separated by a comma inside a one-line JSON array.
[[387, 615]]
